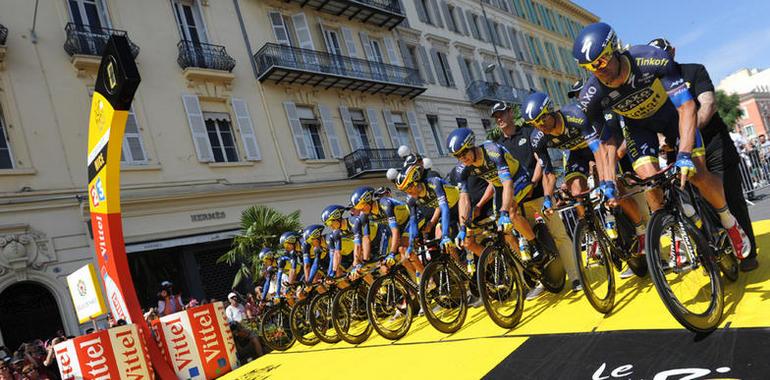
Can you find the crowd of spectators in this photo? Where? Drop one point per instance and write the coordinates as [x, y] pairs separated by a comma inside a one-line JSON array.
[[755, 162], [31, 361]]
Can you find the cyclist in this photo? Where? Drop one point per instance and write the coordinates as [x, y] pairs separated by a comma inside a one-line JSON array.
[[314, 251], [509, 181], [377, 207], [342, 232], [569, 129], [274, 274], [644, 86]]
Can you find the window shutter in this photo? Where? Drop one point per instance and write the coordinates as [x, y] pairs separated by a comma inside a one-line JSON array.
[[331, 134], [302, 30], [422, 14], [436, 14], [390, 46], [439, 72], [416, 133], [405, 21], [426, 65], [472, 24], [198, 128], [325, 37], [353, 138], [391, 128], [409, 61], [464, 70], [449, 77], [280, 32], [448, 16], [371, 113], [296, 130], [133, 148], [463, 27], [367, 45], [246, 127], [476, 71], [347, 34]]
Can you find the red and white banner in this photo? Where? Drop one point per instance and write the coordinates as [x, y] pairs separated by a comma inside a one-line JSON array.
[[116, 353], [197, 342]]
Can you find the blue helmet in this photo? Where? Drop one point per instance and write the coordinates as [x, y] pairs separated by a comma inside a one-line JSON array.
[[289, 237], [460, 140], [594, 45], [361, 195], [535, 106], [266, 254], [331, 213], [313, 231]]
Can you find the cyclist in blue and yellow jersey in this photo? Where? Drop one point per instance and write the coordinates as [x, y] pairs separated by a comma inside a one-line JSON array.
[[569, 129], [645, 86], [340, 239], [376, 207], [509, 181], [314, 251], [273, 271]]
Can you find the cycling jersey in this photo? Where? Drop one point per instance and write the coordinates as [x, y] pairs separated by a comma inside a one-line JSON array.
[[287, 262], [496, 168], [340, 240], [579, 137], [316, 254], [395, 212], [438, 194], [648, 101]]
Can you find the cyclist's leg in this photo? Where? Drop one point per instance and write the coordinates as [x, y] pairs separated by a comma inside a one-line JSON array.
[[576, 175], [558, 232], [642, 146]]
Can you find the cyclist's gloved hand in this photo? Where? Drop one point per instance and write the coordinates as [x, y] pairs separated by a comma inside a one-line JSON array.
[[460, 236], [447, 243], [504, 221], [390, 259], [547, 203], [610, 191], [684, 164], [409, 250]]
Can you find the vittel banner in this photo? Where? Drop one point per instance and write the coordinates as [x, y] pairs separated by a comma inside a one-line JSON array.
[[116, 353]]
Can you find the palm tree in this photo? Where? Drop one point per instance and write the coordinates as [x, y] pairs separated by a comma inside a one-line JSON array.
[[261, 226]]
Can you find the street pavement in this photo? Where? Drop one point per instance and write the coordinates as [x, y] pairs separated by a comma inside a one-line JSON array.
[[560, 336]]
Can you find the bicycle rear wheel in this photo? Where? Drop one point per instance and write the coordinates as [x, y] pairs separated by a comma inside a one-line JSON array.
[[349, 314], [629, 243], [442, 296], [300, 323], [501, 286], [321, 318], [554, 276], [684, 270], [275, 329], [594, 264], [389, 307]]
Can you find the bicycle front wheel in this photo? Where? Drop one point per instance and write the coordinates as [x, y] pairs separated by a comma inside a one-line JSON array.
[[389, 307], [594, 264], [300, 323], [349, 314], [442, 296], [684, 270], [501, 287], [275, 329], [321, 318]]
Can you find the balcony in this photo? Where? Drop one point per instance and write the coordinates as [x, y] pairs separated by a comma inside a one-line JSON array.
[[204, 56], [483, 93], [91, 40], [3, 34], [383, 13], [287, 65], [368, 161]]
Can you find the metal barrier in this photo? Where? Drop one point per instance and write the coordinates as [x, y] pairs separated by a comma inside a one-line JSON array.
[[755, 172]]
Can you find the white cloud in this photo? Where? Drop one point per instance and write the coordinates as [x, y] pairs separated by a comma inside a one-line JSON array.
[[736, 54]]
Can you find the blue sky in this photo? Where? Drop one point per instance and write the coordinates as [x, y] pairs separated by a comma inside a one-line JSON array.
[[723, 35]]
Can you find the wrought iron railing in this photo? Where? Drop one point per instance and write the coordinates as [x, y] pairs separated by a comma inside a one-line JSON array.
[[479, 91], [91, 40], [388, 5], [274, 55], [205, 56], [3, 34], [364, 160]]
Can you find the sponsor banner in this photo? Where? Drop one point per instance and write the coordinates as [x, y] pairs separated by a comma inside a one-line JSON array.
[[227, 334], [116, 353], [86, 293], [159, 337], [197, 342], [179, 346]]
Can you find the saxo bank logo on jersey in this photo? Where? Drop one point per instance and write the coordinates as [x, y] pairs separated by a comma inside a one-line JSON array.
[[97, 193]]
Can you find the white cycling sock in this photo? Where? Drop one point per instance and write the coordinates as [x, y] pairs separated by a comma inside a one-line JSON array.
[[639, 229], [726, 217]]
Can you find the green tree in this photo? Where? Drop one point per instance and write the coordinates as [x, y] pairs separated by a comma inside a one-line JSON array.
[[495, 132], [729, 108], [261, 226]]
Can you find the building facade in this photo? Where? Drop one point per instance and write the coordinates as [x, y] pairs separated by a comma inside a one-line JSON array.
[[291, 104], [753, 88]]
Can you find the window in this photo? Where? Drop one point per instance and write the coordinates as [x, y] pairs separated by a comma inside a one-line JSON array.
[[402, 129], [377, 51], [6, 158], [486, 124], [436, 130], [361, 126], [748, 131], [312, 129], [443, 69], [220, 137], [552, 55], [530, 81], [333, 41], [425, 5], [451, 22], [469, 67], [88, 13], [462, 122], [744, 112], [477, 21], [190, 22]]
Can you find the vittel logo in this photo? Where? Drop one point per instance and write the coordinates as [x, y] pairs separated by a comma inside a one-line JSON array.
[[182, 355], [96, 360], [211, 349], [130, 355]]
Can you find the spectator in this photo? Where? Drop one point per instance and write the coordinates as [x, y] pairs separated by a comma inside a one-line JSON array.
[[251, 307], [151, 315], [6, 372], [30, 372], [247, 344], [235, 312], [169, 302], [50, 360], [193, 303]]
